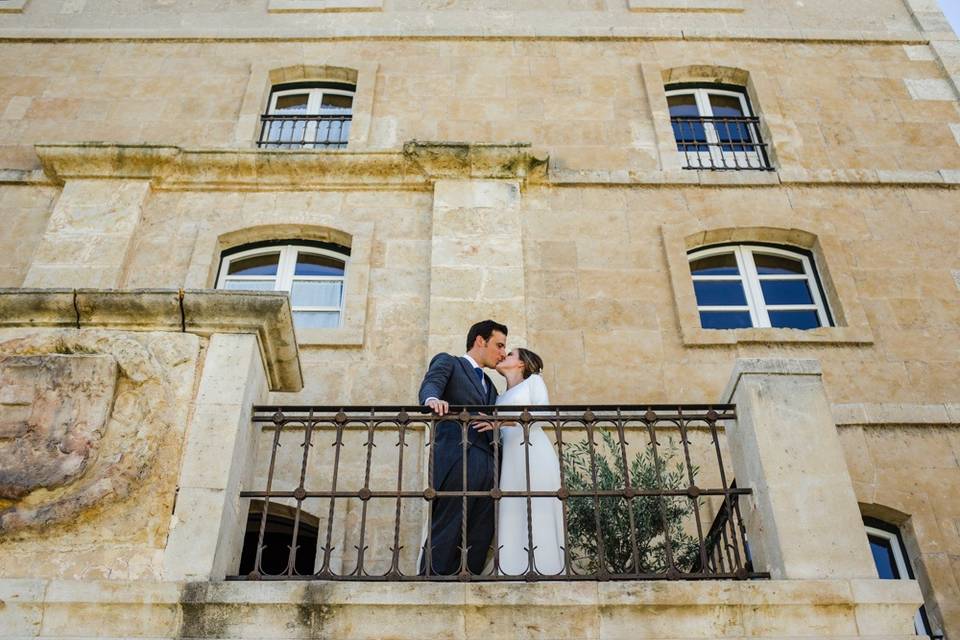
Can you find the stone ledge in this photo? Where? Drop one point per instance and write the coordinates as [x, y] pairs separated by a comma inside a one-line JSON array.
[[323, 6], [417, 165], [13, 6], [686, 6], [200, 311], [769, 367], [289, 609], [890, 414], [445, 25]]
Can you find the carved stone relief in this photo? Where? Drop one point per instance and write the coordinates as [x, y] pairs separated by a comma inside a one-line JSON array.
[[81, 415]]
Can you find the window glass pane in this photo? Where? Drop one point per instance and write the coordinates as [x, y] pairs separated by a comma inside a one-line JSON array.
[[794, 319], [316, 293], [883, 558], [312, 264], [316, 319], [719, 292], [334, 103], [786, 292], [768, 264], [720, 265], [263, 265], [250, 285], [725, 106], [293, 103], [725, 320], [683, 105]]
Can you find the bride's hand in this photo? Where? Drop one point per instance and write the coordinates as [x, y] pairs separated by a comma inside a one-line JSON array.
[[482, 425]]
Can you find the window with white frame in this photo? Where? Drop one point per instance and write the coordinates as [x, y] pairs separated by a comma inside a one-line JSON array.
[[308, 115], [714, 127], [890, 558], [313, 275], [742, 286]]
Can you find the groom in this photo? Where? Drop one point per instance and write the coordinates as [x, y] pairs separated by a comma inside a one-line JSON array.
[[460, 380]]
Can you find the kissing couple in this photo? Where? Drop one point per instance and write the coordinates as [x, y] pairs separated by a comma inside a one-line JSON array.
[[460, 380]]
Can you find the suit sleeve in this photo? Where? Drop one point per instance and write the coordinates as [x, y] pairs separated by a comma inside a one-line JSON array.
[[437, 376]]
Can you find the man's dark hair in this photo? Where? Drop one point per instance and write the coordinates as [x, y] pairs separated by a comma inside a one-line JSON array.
[[484, 329]]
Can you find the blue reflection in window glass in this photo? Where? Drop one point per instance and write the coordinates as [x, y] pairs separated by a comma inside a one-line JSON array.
[[265, 265], [309, 264], [725, 320], [719, 293], [769, 264], [883, 558], [794, 319], [786, 292], [724, 264]]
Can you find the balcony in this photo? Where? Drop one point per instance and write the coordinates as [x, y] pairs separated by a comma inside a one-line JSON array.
[[645, 494], [304, 132], [720, 143]]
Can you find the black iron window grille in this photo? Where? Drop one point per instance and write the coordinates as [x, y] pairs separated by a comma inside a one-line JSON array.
[[715, 127], [280, 131], [644, 494]]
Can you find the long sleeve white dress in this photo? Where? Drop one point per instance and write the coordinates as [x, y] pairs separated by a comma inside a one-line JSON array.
[[546, 513]]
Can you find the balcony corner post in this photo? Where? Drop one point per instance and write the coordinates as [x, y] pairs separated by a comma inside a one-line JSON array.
[[209, 518], [804, 522]]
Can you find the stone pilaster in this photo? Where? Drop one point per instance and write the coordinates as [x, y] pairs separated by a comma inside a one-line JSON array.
[[89, 232], [476, 269], [804, 522], [208, 523]]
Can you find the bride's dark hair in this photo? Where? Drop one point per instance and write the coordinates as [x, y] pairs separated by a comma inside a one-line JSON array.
[[532, 363]]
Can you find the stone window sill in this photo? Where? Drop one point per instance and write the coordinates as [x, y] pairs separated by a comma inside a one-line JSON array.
[[686, 5], [696, 336], [13, 6], [323, 6]]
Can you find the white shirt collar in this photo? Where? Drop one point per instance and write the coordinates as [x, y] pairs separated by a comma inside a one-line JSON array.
[[473, 363]]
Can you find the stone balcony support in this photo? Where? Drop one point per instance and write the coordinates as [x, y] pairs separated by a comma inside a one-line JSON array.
[[804, 522], [171, 378]]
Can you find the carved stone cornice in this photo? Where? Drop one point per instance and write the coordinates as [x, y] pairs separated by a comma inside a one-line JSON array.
[[417, 165], [201, 311]]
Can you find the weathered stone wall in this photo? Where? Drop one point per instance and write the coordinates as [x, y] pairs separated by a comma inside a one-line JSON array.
[[830, 106], [909, 475], [109, 518], [24, 212]]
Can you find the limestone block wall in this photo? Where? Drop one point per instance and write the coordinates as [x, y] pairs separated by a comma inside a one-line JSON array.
[[594, 106], [24, 213], [908, 474]]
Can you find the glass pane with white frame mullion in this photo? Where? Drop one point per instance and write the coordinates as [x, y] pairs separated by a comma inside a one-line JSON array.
[[752, 281]]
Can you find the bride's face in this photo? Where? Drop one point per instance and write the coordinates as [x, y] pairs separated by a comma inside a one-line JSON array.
[[511, 362]]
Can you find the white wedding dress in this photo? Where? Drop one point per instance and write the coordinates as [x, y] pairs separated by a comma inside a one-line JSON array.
[[547, 513]]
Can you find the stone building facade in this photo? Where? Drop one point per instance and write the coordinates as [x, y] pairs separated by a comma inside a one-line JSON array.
[[466, 159]]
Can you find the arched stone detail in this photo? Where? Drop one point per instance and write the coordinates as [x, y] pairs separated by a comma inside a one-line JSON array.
[[714, 74], [293, 232], [313, 72]]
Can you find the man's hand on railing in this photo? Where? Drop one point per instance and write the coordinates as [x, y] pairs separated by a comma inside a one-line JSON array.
[[440, 407]]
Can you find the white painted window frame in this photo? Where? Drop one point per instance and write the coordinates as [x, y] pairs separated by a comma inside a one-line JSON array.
[[751, 281], [314, 107], [285, 277], [899, 558], [715, 156]]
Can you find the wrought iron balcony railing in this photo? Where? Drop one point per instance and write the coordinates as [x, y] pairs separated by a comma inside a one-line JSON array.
[[720, 143], [304, 132], [346, 493]]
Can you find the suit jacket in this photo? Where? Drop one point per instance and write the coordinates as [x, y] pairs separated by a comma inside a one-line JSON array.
[[453, 379]]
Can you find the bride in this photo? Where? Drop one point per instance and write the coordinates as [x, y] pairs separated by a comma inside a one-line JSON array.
[[525, 387]]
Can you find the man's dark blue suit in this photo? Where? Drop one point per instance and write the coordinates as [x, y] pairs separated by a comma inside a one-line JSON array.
[[454, 380]]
